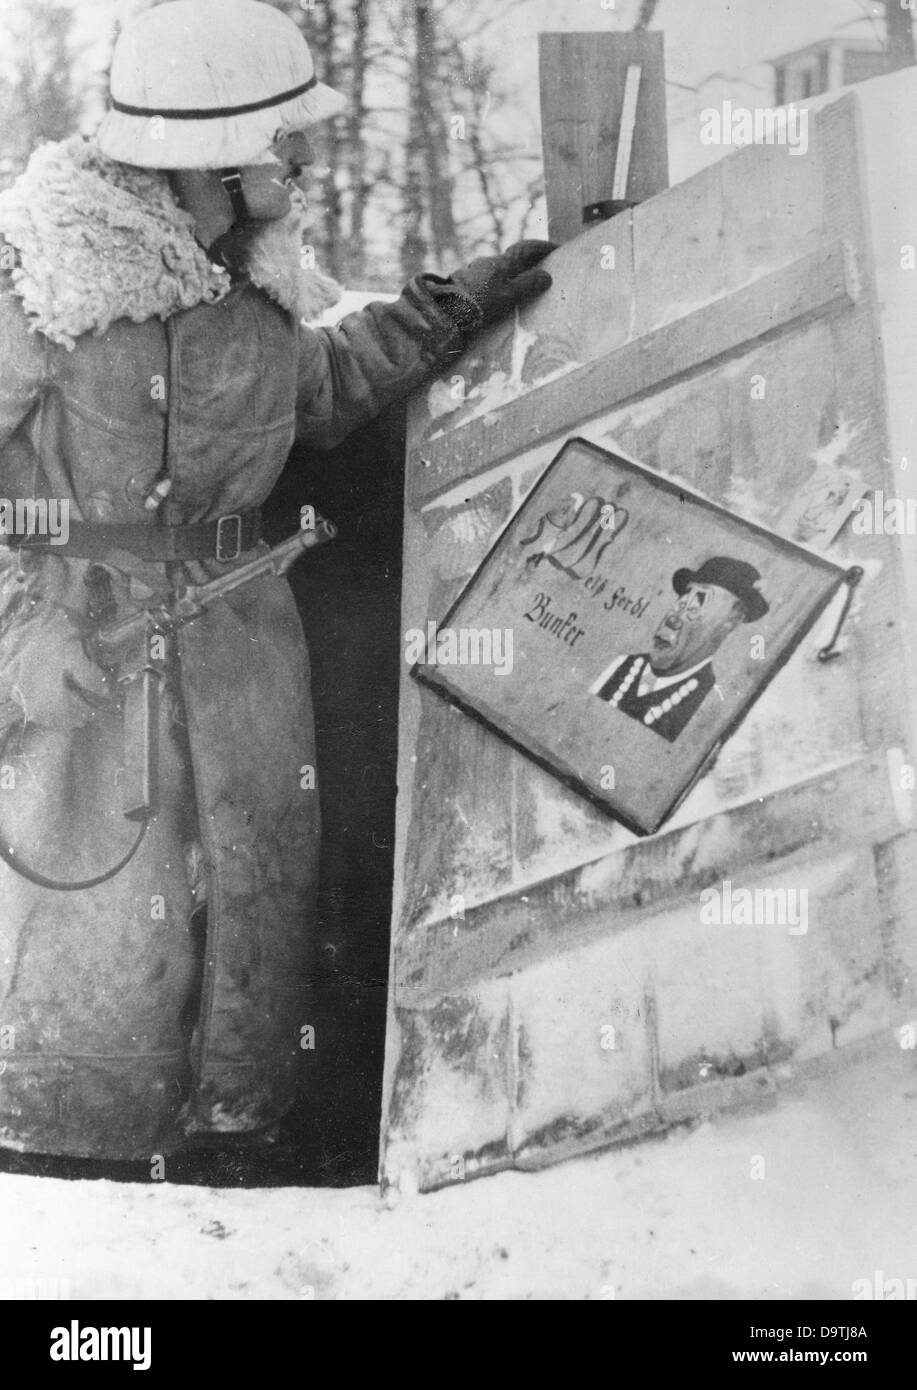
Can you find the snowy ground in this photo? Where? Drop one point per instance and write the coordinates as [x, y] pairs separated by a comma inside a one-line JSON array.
[[681, 1217]]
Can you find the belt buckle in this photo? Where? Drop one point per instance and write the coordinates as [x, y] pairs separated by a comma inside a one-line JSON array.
[[225, 552]]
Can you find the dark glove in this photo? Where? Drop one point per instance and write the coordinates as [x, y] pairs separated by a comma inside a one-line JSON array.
[[490, 287]]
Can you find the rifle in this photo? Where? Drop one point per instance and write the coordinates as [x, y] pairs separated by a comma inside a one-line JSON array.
[[113, 644], [109, 641], [142, 678]]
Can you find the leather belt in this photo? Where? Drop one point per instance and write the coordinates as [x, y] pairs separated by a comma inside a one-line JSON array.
[[224, 539]]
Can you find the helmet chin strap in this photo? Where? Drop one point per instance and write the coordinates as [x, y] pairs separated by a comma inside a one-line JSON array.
[[229, 249], [231, 179]]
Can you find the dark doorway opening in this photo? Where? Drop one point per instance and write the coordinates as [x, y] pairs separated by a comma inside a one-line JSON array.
[[349, 599]]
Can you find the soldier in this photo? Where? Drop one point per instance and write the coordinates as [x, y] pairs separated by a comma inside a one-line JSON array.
[[156, 368]]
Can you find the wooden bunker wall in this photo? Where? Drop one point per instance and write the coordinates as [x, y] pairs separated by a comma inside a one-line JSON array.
[[525, 921]]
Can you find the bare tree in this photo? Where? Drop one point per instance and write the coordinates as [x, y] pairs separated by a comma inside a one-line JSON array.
[[38, 102], [358, 172], [329, 140], [414, 243], [476, 77], [430, 130], [647, 12]]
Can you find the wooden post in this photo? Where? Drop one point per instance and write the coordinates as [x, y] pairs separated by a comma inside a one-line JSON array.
[[588, 82], [899, 35]]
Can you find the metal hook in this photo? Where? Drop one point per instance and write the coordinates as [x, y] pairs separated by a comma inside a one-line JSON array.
[[851, 579]]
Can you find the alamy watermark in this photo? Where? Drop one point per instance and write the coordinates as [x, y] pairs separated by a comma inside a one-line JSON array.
[[76, 1343], [765, 125], [883, 1289], [29, 1288], [463, 646], [36, 516], [756, 907], [879, 515]]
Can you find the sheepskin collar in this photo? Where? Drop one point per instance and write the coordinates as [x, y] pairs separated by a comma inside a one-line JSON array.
[[97, 241]]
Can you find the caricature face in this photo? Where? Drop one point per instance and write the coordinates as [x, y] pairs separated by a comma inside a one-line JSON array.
[[694, 628]]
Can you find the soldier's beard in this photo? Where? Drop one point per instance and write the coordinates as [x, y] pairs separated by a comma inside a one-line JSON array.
[[273, 255]]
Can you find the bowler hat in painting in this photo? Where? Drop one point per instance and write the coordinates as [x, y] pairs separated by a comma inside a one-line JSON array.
[[737, 577]]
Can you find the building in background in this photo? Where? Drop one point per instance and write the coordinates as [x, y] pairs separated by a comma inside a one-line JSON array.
[[836, 61]]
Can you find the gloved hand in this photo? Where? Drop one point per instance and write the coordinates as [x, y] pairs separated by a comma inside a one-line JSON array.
[[490, 287]]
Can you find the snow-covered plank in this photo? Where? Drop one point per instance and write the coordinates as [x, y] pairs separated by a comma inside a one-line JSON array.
[[783, 301], [625, 888]]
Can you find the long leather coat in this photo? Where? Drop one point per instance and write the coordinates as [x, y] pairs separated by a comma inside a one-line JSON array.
[[116, 1036]]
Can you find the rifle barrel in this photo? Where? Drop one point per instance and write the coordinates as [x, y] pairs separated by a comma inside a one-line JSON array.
[[276, 561], [196, 597]]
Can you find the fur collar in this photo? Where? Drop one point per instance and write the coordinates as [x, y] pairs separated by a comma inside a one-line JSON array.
[[96, 241]]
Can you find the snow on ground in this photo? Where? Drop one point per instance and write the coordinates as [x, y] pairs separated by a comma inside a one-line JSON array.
[[679, 1217], [350, 302]]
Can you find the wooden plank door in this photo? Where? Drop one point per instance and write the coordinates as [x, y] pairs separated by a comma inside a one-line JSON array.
[[552, 985]]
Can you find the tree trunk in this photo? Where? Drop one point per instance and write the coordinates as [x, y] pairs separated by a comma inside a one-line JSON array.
[[356, 155], [476, 78], [414, 241], [432, 134], [331, 150], [647, 11]]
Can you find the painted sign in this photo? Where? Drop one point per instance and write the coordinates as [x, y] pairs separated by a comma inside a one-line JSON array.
[[621, 628]]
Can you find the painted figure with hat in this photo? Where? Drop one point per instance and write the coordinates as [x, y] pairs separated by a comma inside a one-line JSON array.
[[664, 687], [158, 359]]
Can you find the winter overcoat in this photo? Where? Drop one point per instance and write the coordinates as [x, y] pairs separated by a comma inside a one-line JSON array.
[[126, 358]]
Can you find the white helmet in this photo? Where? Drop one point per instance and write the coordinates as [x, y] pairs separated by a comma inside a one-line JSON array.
[[207, 84]]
